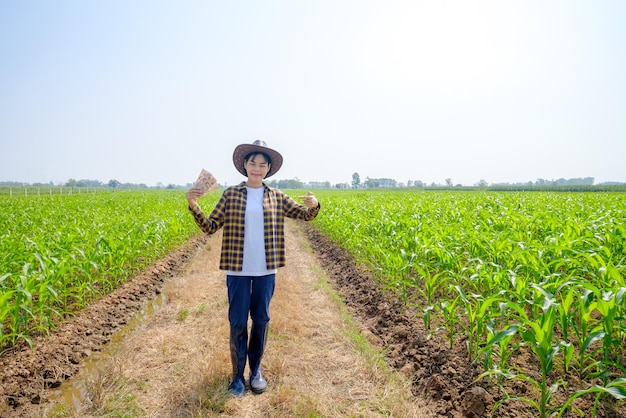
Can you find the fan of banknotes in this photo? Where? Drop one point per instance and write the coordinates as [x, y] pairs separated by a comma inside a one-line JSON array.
[[206, 182]]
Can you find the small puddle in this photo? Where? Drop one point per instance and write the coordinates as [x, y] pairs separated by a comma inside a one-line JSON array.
[[74, 391]]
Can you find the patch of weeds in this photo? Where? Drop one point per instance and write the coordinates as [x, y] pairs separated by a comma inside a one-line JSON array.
[[182, 315], [111, 395], [306, 408], [60, 410], [201, 308], [287, 400], [123, 404], [142, 385], [216, 395], [373, 355]]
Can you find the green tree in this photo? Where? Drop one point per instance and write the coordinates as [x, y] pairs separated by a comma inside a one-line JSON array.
[[356, 181], [114, 183]]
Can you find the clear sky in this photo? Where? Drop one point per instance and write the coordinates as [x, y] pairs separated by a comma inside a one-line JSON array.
[[153, 91]]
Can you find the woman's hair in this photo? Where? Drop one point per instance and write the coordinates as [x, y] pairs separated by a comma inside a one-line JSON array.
[[254, 154]]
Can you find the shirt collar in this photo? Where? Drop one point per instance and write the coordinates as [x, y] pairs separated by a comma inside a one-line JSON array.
[[242, 186]]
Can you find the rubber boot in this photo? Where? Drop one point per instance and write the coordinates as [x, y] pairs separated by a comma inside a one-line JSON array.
[[258, 339], [238, 353]]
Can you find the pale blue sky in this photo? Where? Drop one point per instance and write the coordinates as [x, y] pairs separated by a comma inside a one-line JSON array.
[[153, 91]]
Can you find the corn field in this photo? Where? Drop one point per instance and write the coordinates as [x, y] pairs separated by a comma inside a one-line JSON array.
[[540, 273], [59, 252], [503, 273]]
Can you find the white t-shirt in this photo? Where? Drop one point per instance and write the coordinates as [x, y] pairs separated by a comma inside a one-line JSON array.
[[254, 237]]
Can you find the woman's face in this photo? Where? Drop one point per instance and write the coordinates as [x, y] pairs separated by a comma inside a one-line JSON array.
[[257, 168]]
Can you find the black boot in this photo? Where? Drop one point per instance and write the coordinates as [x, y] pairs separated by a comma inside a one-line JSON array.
[[258, 339], [238, 352]]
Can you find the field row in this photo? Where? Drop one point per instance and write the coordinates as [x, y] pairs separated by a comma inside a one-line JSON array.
[[504, 273], [59, 253]]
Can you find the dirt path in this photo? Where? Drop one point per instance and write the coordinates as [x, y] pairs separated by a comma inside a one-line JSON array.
[[176, 364]]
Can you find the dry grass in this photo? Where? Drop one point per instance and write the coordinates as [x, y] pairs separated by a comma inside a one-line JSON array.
[[177, 363]]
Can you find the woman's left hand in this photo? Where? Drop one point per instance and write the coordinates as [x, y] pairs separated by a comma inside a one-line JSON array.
[[310, 201]]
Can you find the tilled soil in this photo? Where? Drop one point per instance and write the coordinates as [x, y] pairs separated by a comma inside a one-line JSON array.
[[441, 374]]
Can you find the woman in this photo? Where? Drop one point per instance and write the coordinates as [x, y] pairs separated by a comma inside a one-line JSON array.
[[253, 248]]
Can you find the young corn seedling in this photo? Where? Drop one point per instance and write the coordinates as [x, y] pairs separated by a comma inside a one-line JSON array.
[[449, 310], [607, 305], [428, 291], [538, 334], [501, 346], [615, 388], [477, 313]]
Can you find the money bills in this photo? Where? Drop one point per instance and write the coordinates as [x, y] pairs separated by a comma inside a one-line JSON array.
[[206, 182]]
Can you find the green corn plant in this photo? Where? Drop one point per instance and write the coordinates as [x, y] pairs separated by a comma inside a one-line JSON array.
[[615, 388], [22, 312], [426, 285], [607, 305], [541, 406], [45, 296], [501, 346], [6, 311], [426, 316], [587, 334], [478, 316], [566, 292], [405, 281], [449, 311], [589, 366], [538, 334], [431, 283]]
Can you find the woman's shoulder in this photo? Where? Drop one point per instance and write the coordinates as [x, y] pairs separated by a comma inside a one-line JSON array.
[[235, 187], [233, 191], [273, 190]]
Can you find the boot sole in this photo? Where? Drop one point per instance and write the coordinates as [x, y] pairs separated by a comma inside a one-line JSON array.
[[257, 391]]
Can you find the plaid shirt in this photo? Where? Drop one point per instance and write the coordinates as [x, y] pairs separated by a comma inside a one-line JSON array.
[[230, 213]]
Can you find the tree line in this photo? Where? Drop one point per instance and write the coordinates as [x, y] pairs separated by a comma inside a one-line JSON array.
[[574, 184]]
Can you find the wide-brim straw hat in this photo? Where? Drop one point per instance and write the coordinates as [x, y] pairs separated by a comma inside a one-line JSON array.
[[243, 150]]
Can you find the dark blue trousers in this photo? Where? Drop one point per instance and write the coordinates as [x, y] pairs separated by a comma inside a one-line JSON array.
[[249, 296]]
